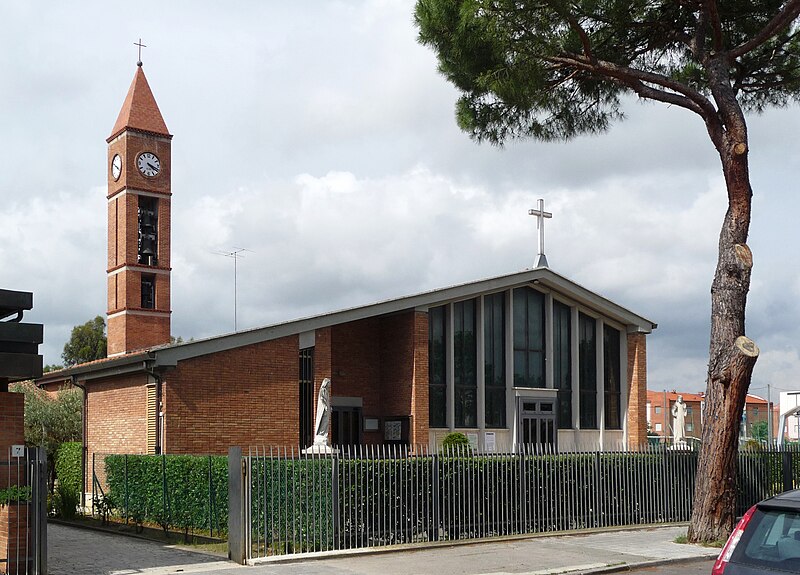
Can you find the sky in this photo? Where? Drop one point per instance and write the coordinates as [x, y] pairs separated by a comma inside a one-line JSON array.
[[320, 138]]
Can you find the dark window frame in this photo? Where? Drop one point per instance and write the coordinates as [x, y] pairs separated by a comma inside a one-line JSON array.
[[612, 384], [562, 361], [437, 367], [148, 291], [587, 371], [494, 351], [465, 364], [306, 396], [528, 352]]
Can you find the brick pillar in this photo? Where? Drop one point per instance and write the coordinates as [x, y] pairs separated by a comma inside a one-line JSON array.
[[12, 428], [13, 516], [419, 391], [637, 390]]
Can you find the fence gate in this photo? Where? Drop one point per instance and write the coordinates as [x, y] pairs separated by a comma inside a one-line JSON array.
[[23, 511]]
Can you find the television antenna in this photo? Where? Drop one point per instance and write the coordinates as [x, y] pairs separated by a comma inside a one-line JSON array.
[[236, 253]]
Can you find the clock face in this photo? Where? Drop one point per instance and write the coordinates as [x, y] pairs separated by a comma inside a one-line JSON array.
[[148, 164], [116, 166]]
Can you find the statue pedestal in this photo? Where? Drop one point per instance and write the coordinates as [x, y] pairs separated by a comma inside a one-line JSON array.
[[320, 449]]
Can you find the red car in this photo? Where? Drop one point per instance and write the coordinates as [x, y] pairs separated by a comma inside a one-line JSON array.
[[766, 541]]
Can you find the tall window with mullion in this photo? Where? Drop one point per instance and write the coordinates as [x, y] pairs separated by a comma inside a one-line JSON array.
[[465, 359], [612, 385], [587, 371], [437, 367], [562, 362], [528, 338], [494, 369]]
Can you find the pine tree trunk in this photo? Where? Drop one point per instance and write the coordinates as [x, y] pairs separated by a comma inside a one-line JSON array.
[[732, 356]]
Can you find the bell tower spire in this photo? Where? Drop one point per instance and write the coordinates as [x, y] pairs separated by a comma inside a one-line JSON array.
[[139, 195]]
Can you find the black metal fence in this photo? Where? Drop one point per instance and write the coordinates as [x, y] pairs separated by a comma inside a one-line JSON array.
[[368, 496]]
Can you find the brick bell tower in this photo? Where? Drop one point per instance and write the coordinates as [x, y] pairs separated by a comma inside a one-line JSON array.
[[139, 157]]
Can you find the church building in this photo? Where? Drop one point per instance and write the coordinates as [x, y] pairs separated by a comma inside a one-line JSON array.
[[525, 358]]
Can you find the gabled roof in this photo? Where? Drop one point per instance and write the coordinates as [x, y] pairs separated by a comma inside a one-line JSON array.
[[140, 111], [169, 355]]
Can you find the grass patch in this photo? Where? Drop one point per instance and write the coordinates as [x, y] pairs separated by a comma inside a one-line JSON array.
[[683, 539], [220, 549]]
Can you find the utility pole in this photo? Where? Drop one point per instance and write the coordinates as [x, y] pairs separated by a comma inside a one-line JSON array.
[[769, 417]]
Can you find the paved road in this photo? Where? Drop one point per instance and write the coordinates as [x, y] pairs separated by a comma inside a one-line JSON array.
[[75, 551]]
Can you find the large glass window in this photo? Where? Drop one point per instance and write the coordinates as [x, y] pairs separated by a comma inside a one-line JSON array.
[[562, 362], [465, 361], [587, 371], [494, 359], [528, 338], [611, 384], [437, 368]]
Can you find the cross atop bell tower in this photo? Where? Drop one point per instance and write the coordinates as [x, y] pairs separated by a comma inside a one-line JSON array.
[[139, 196]]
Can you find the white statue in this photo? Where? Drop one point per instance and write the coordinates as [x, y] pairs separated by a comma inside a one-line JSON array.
[[322, 425], [323, 422], [679, 421]]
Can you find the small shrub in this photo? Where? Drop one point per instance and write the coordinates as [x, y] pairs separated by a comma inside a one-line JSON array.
[[66, 501], [15, 494], [455, 442], [68, 465]]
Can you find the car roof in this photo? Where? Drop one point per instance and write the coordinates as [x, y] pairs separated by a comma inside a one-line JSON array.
[[787, 499]]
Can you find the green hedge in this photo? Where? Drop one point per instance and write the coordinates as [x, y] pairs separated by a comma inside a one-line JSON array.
[[187, 492], [291, 504], [68, 466]]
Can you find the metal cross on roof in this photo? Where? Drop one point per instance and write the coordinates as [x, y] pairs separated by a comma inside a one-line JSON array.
[[541, 215], [139, 43]]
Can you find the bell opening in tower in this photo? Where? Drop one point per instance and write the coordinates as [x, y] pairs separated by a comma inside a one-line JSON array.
[[148, 231], [148, 292]]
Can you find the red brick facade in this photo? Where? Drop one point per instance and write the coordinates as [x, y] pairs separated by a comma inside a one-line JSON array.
[[14, 534], [637, 390], [246, 396], [12, 424]]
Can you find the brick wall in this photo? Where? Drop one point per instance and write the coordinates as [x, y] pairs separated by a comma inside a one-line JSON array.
[[13, 518], [383, 361], [355, 351], [246, 396], [419, 397], [115, 417], [12, 428], [12, 432], [637, 390]]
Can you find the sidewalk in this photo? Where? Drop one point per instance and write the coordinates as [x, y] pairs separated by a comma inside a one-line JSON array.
[[75, 551]]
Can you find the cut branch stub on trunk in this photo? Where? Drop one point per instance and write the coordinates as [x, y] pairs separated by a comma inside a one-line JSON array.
[[747, 346], [744, 255]]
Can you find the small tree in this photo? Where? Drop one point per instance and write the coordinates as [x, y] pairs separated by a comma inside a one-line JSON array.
[[87, 342], [759, 431], [51, 419]]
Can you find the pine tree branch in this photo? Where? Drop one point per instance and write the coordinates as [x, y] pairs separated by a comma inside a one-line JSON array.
[[716, 25], [781, 20], [671, 92]]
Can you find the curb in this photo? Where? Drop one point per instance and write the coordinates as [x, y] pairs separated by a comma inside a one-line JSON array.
[[624, 567], [383, 550]]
